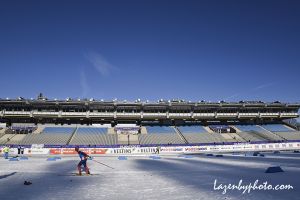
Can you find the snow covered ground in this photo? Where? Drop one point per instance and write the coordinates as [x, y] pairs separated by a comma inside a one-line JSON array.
[[168, 178]]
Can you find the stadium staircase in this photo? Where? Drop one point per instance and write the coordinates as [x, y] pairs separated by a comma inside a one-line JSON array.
[[232, 137], [270, 135], [9, 139], [250, 136], [6, 138], [255, 133], [208, 129], [235, 136], [290, 125], [3, 139], [72, 136], [284, 131], [38, 130], [227, 137], [180, 135], [290, 135], [16, 139], [258, 135], [2, 132], [239, 135]]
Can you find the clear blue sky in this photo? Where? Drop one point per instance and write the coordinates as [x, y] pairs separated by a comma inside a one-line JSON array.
[[192, 50]]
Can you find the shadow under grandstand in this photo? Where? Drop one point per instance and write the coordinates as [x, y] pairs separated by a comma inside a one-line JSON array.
[[200, 174]]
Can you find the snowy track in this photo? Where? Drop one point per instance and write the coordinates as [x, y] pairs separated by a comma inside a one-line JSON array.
[[168, 178]]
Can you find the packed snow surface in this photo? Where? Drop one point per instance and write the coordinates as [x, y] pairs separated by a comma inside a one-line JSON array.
[[168, 177]]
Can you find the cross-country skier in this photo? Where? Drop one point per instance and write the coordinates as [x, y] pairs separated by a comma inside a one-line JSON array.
[[83, 161]]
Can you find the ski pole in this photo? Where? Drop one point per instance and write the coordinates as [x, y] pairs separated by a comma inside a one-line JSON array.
[[103, 164]]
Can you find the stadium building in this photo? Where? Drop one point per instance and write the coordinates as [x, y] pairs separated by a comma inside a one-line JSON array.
[[114, 124]]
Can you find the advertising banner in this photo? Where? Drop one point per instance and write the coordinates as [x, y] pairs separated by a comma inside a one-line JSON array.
[[166, 149], [33, 151]]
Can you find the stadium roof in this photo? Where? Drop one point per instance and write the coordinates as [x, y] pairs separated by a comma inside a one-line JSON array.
[[159, 103]]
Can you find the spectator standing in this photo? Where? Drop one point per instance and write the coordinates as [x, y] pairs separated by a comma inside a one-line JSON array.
[[6, 151]]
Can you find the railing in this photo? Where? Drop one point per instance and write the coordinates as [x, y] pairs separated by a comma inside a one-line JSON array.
[[143, 114]]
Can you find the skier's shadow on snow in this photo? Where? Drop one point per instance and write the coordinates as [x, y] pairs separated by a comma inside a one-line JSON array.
[[7, 175]]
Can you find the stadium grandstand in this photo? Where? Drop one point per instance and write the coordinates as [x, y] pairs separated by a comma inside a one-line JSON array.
[[90, 122]]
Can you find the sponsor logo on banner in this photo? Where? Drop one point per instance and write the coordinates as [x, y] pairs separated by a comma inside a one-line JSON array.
[[55, 151], [238, 147], [225, 148], [71, 151], [117, 151], [194, 149], [38, 151], [98, 151], [146, 150], [168, 149]]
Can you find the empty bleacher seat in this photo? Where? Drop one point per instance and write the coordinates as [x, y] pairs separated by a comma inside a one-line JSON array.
[[160, 139], [277, 128], [191, 129], [160, 130], [258, 133], [58, 130], [89, 130], [248, 128], [54, 139], [160, 135], [16, 139], [93, 136], [197, 134], [50, 135], [289, 135], [250, 136]]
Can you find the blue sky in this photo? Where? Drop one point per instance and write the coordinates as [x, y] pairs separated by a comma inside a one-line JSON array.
[[192, 50]]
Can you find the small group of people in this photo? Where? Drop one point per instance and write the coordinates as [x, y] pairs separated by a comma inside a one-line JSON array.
[[20, 150], [6, 150]]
